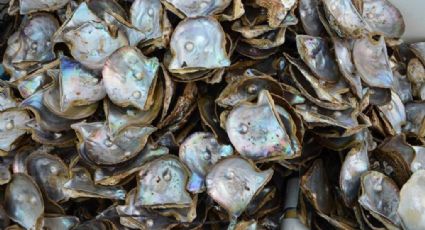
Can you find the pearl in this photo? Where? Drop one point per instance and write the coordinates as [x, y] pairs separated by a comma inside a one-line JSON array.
[[189, 46]]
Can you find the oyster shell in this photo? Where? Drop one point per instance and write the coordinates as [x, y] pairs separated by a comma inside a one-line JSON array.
[[112, 176], [316, 54], [371, 60], [419, 50], [355, 164], [91, 43], [147, 16], [344, 18], [53, 100], [31, 45], [7, 100], [233, 182], [380, 195], [199, 152], [198, 43], [310, 17], [50, 173], [343, 52], [12, 127], [277, 10], [130, 78], [119, 118], [383, 17], [23, 201], [77, 85], [140, 217], [31, 6], [395, 113], [415, 115], [195, 8], [161, 183], [418, 163], [315, 186], [100, 147], [60, 222], [410, 208], [82, 185], [45, 119], [257, 132]]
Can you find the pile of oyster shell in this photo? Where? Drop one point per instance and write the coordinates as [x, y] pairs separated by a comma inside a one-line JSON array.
[[210, 114]]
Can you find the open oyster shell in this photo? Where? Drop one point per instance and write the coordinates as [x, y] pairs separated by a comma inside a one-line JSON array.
[[77, 85], [199, 152], [114, 175], [12, 127], [50, 173], [198, 43], [162, 184], [380, 196], [316, 54], [371, 60], [410, 207], [31, 45], [383, 17], [130, 78], [100, 147], [82, 185], [344, 18], [194, 8], [234, 181], [355, 164], [31, 6], [257, 132], [23, 201]]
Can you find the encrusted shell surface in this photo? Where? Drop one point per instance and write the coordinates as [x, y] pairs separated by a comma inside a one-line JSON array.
[[162, 183], [130, 78], [23, 201], [199, 152], [233, 182], [257, 132], [198, 43]]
